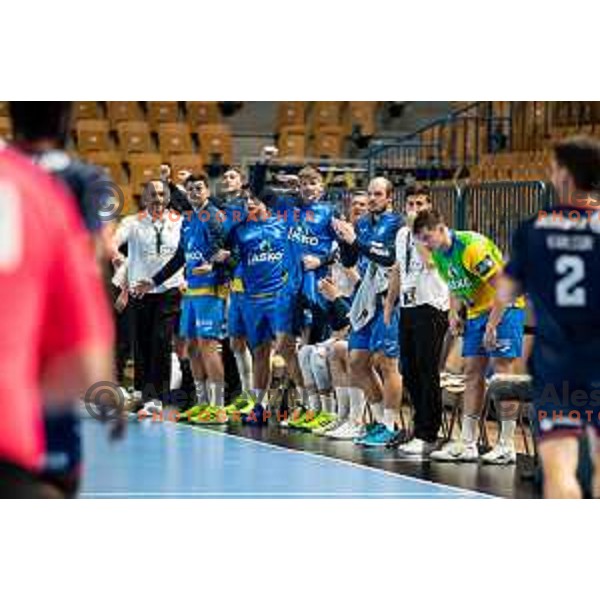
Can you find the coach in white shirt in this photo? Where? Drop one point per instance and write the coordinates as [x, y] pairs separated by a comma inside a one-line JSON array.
[[152, 238], [424, 304]]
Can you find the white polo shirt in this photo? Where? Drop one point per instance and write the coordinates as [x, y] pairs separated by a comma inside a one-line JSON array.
[[151, 243], [419, 283]]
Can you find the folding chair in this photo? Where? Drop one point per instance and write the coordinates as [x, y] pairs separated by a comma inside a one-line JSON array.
[[215, 142], [5, 129], [85, 110], [143, 168], [110, 162], [328, 142], [292, 142], [290, 114]]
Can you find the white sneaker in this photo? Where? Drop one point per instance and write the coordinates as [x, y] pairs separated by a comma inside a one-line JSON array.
[[337, 427], [153, 407], [457, 451], [417, 447], [347, 432], [322, 431], [501, 454]]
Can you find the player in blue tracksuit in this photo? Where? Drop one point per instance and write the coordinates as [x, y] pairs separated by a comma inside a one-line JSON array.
[[368, 245], [262, 250], [202, 321], [312, 243], [555, 260]]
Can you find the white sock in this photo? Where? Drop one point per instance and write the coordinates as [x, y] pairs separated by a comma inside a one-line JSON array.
[[215, 393], [314, 403], [243, 360], [391, 416], [328, 402], [469, 429], [507, 432], [377, 410], [357, 403], [343, 402], [201, 393]]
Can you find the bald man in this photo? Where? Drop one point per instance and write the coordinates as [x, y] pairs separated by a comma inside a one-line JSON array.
[[373, 344]]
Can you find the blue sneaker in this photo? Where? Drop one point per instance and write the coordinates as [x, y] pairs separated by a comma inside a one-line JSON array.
[[367, 431], [257, 417], [377, 436]]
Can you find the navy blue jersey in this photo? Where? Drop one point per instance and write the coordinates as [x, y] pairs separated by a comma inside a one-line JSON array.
[[375, 241], [556, 260], [81, 179], [263, 250]]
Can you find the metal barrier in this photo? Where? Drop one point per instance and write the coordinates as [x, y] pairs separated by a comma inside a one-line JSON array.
[[495, 209]]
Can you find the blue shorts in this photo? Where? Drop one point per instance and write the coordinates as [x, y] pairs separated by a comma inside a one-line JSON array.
[[509, 335], [267, 317], [376, 336], [236, 328], [202, 317]]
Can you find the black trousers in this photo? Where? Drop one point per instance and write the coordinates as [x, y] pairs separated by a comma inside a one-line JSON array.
[[422, 331], [154, 318]]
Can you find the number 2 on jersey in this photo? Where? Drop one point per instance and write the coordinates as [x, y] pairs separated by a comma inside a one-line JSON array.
[[569, 291]]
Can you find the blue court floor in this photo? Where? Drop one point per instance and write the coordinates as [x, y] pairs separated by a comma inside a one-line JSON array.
[[169, 460]]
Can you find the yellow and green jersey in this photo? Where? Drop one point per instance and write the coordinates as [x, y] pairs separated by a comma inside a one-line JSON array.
[[468, 266]]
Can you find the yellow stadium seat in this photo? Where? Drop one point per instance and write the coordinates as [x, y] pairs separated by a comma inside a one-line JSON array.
[[292, 142], [185, 162], [291, 114], [174, 138], [123, 111], [215, 140], [326, 114], [92, 135], [134, 136], [202, 113], [85, 110], [110, 162], [5, 129], [363, 114], [328, 142], [162, 112], [4, 111], [143, 168]]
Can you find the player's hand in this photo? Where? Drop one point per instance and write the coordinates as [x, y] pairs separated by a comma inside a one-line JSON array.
[[122, 300], [203, 269], [142, 287], [221, 256], [328, 289], [352, 274], [456, 325], [344, 230], [311, 262], [490, 338]]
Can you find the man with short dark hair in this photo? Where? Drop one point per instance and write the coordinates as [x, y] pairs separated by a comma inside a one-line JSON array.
[[471, 265], [555, 260], [424, 303]]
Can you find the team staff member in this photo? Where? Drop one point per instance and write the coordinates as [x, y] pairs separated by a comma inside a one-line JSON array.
[[471, 265], [57, 339], [424, 304], [152, 239]]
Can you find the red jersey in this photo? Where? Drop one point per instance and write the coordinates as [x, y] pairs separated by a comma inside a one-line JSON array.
[[52, 301]]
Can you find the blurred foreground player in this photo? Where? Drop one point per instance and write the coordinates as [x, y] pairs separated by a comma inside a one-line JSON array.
[[57, 339], [40, 131], [555, 260]]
